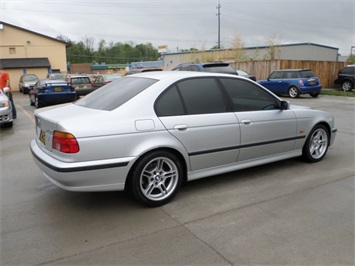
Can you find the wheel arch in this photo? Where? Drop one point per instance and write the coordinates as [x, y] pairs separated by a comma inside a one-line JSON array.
[[166, 149]]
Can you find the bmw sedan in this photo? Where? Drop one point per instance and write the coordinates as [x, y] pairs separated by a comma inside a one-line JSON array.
[[150, 132]]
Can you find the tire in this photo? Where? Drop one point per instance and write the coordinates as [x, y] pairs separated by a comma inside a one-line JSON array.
[[316, 145], [293, 92], [38, 104], [314, 94], [9, 124], [156, 178], [347, 85], [31, 103]]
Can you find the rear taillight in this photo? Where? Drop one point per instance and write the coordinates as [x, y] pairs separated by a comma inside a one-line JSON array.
[[64, 142]]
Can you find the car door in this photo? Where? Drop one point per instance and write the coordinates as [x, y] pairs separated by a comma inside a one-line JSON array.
[[266, 130], [195, 112], [275, 82]]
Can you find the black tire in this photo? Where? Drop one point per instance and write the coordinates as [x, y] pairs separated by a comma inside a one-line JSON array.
[[9, 124], [314, 94], [31, 103], [347, 85], [316, 145], [293, 92], [156, 178], [38, 103]]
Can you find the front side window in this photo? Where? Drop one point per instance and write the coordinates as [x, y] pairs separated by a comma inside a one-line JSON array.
[[276, 75], [247, 96]]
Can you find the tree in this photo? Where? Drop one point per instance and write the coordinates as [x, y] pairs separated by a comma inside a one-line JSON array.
[[238, 48], [274, 49]]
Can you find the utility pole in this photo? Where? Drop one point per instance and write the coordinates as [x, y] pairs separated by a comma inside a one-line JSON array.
[[219, 24]]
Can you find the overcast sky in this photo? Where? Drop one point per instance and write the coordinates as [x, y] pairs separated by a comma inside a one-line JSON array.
[[185, 24]]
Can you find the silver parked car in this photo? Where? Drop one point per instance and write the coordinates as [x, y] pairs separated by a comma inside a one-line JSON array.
[[149, 132], [5, 109]]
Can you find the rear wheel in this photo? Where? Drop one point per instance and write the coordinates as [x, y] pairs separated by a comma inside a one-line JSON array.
[[156, 178], [347, 85], [38, 103], [293, 92], [316, 145]]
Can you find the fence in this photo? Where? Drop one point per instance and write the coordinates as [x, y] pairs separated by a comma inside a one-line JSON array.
[[326, 71]]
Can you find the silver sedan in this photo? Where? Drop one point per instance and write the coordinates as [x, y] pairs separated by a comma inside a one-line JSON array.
[[150, 132]]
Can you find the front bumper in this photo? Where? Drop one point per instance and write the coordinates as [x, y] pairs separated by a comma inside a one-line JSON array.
[[6, 115], [101, 175]]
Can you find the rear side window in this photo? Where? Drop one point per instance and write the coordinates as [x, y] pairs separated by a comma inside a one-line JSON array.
[[307, 74], [115, 93], [192, 96]]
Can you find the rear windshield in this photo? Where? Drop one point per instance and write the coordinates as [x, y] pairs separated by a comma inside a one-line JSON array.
[[307, 74], [114, 94], [220, 69]]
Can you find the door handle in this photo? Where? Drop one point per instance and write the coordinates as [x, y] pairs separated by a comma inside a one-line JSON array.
[[246, 121], [180, 127]]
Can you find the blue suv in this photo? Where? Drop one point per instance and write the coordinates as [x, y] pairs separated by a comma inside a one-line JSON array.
[[293, 82]]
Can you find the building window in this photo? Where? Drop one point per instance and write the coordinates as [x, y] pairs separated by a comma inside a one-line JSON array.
[[12, 50]]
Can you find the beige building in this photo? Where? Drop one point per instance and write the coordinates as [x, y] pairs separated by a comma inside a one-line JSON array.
[[26, 52]]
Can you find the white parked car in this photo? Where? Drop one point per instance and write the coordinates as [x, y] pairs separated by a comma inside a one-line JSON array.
[[5, 109], [150, 132]]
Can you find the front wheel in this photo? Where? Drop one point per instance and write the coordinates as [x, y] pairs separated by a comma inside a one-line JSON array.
[[156, 178], [316, 145], [347, 85], [293, 92]]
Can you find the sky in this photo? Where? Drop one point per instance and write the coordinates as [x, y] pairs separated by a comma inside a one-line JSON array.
[[185, 24]]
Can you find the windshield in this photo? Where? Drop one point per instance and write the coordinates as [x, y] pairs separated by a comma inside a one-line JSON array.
[[114, 94], [30, 78]]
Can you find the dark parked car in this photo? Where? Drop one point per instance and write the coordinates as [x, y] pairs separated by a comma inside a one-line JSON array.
[[246, 75], [293, 82], [27, 82], [48, 91], [141, 70], [214, 67], [82, 84], [102, 80], [346, 78]]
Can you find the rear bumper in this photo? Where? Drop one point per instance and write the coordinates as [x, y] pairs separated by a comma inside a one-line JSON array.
[[101, 175], [310, 89], [54, 98]]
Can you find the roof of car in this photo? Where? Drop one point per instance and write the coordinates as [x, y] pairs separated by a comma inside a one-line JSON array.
[[294, 69], [179, 74]]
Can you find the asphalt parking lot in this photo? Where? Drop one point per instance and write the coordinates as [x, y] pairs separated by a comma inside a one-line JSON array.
[[284, 213]]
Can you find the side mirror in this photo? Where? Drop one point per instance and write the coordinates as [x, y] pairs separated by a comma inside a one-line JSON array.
[[285, 105], [6, 89]]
